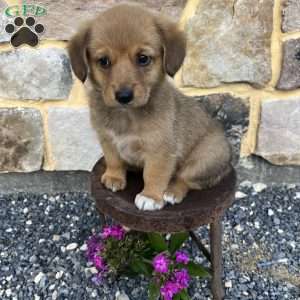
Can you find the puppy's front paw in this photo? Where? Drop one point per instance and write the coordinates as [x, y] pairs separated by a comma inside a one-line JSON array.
[[113, 183], [175, 192], [146, 203], [171, 198]]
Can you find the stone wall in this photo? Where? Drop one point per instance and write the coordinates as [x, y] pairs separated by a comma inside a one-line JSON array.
[[240, 52]]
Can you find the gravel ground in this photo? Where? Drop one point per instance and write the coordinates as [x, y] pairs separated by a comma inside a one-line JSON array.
[[42, 248]]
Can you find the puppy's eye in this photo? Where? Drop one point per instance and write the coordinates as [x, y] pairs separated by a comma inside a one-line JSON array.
[[104, 62], [143, 60]]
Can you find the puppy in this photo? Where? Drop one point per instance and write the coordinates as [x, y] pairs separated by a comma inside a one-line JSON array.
[[142, 120]]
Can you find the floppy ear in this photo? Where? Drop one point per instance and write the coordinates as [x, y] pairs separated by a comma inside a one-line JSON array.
[[78, 53], [174, 44]]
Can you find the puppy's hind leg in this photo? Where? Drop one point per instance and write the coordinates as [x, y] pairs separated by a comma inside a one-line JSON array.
[[207, 164]]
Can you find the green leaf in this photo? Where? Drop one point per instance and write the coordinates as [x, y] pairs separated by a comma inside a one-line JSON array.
[[197, 270], [153, 291], [177, 240], [184, 295], [177, 297], [140, 267], [157, 242]]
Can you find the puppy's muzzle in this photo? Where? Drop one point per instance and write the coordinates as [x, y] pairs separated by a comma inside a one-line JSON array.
[[124, 95]]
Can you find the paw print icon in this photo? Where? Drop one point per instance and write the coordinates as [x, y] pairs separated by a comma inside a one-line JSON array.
[[24, 31]]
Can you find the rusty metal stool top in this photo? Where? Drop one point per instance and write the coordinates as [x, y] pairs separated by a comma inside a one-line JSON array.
[[198, 208]]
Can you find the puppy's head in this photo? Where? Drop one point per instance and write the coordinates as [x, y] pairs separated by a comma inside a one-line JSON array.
[[126, 51]]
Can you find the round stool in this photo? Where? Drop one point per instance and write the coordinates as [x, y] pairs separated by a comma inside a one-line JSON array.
[[198, 208]]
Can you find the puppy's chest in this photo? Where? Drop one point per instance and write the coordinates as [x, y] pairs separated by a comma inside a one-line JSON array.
[[129, 147]]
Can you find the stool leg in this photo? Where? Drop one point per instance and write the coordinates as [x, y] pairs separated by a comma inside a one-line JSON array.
[[200, 246], [216, 259]]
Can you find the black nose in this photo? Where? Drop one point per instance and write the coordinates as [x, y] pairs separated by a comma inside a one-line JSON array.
[[124, 95]]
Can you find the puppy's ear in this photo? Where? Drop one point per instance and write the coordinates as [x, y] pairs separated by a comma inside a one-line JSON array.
[[78, 53], [174, 44]]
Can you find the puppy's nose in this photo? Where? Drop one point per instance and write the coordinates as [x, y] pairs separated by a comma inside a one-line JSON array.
[[124, 95]]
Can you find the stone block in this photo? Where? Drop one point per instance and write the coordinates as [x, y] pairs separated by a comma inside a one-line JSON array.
[[35, 74], [290, 71], [279, 132], [64, 17], [73, 142], [21, 140], [229, 42], [290, 15]]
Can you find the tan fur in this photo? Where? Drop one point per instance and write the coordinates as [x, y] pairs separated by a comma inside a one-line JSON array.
[[162, 131]]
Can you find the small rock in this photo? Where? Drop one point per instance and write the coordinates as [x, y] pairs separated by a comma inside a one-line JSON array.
[[240, 195], [25, 211], [8, 292], [29, 222], [298, 195], [270, 212], [39, 277], [228, 284], [121, 296], [94, 294], [92, 270], [259, 187], [246, 184], [54, 295], [238, 228], [59, 274], [234, 247], [67, 235], [52, 199], [56, 238], [72, 246], [276, 221], [83, 247]]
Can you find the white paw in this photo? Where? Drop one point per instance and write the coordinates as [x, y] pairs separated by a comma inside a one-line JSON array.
[[145, 203], [170, 198]]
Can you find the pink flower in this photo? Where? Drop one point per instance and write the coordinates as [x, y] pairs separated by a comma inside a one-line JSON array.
[[182, 257], [94, 246], [161, 263], [99, 262], [182, 278], [116, 232], [106, 233], [97, 279], [169, 290]]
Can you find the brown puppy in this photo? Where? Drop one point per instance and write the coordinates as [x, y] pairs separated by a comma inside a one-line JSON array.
[[141, 119]]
